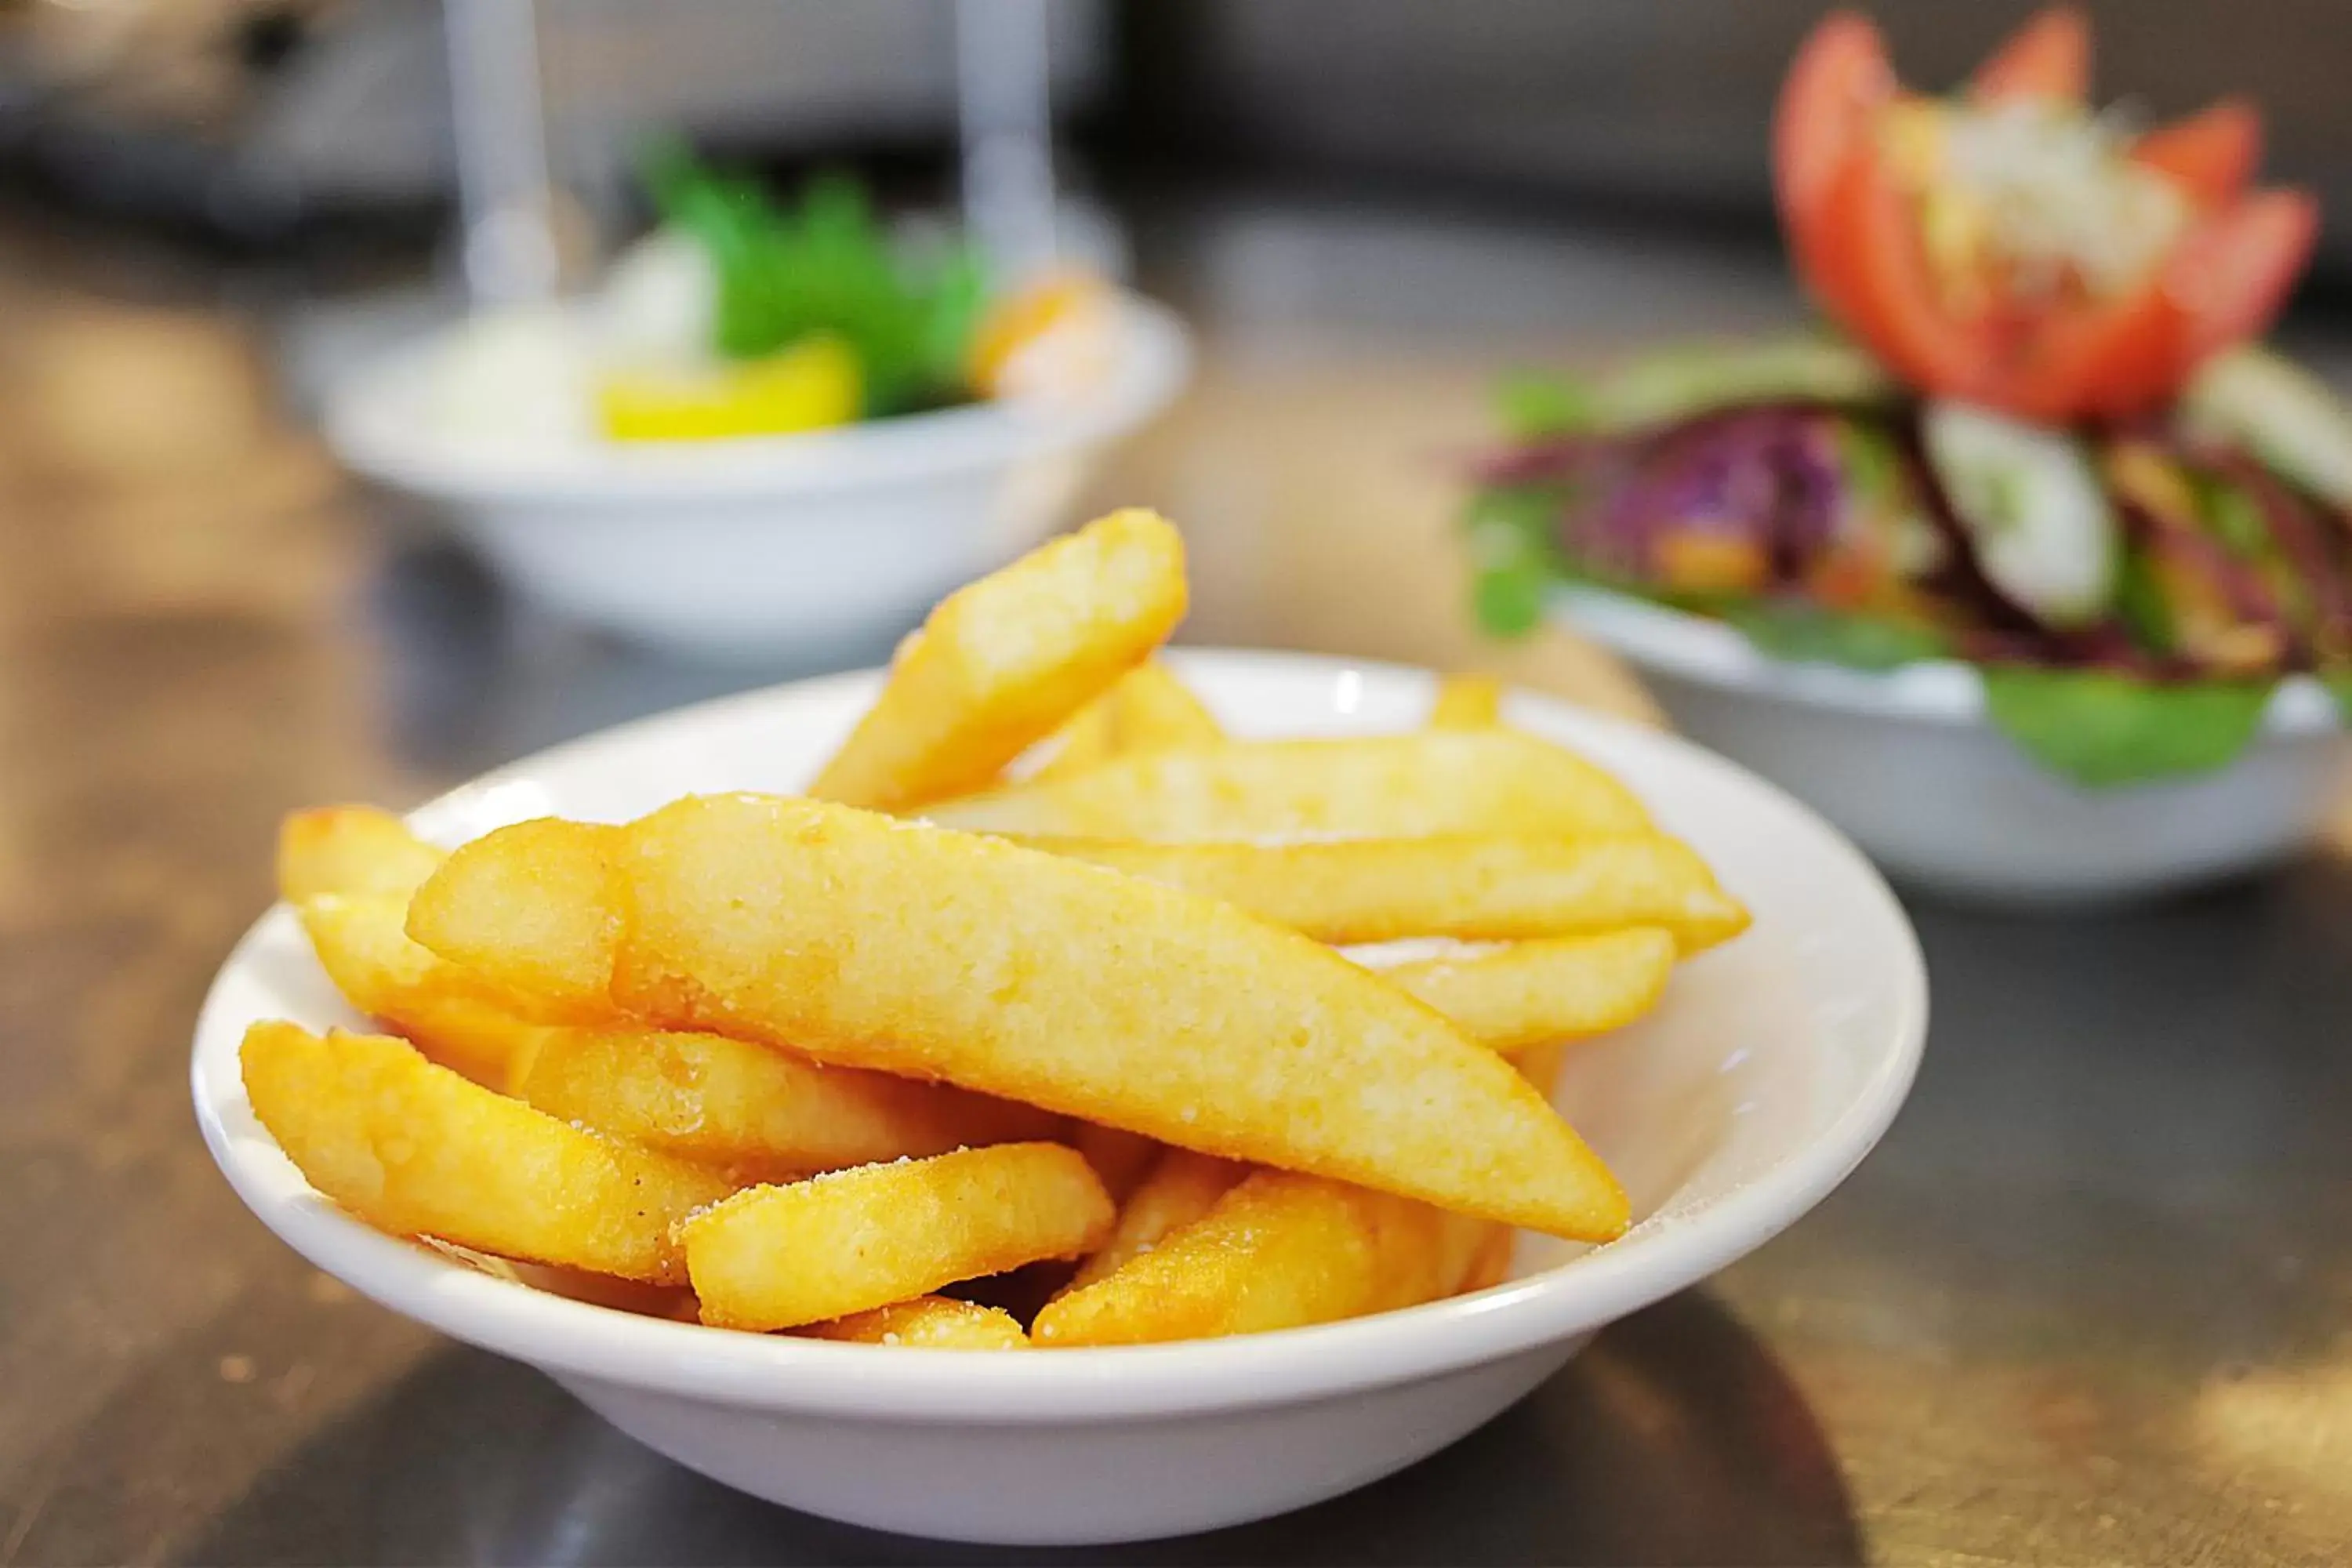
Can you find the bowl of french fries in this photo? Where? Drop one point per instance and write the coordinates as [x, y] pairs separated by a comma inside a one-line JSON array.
[[1061, 1090]]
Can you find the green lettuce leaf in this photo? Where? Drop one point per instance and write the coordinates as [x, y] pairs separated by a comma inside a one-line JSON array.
[[1509, 604], [1535, 405], [1809, 633], [2101, 730], [1514, 563]]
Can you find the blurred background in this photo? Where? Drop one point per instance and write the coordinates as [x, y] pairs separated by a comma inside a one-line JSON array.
[[214, 212], [210, 209], [270, 124]]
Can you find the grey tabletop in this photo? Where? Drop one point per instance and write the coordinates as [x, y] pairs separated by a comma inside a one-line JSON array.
[[2089, 1303]]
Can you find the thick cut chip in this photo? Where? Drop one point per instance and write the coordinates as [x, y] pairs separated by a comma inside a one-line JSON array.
[[453, 1018], [875, 942], [1485, 887], [1491, 1256], [416, 1150], [1532, 993], [927, 1323], [750, 1106], [1122, 1159], [1377, 786], [1004, 661], [351, 850], [565, 897], [1540, 1065], [1279, 1251], [1149, 710], [1468, 702], [1157, 711], [777, 1258], [1491, 1264], [1086, 741], [1179, 1190]]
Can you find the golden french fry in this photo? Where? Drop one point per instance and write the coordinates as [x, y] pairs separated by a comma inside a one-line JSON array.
[[1148, 710], [1281, 1251], [1530, 994], [1180, 1189], [1089, 739], [1490, 1261], [1156, 711], [1379, 786], [1004, 660], [777, 1258], [351, 850], [1539, 1065], [454, 1018], [416, 1150], [1487, 888], [1490, 1265], [1120, 1158], [732, 1103], [927, 1322], [870, 941], [566, 897], [1468, 702]]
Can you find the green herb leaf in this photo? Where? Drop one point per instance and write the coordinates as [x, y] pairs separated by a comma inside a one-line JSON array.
[[2236, 521], [1807, 632], [1539, 404], [1872, 463], [1514, 519], [826, 265], [1509, 601], [2141, 603], [2101, 729], [1513, 559]]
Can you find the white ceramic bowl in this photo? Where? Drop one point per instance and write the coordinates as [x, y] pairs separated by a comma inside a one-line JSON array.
[[1774, 1065], [788, 546], [1908, 764]]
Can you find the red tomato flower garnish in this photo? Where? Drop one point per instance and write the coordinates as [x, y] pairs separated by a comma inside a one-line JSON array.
[[2009, 246]]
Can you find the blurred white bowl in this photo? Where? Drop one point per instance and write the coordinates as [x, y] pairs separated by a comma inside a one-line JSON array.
[[1774, 1066], [793, 546], [1908, 763]]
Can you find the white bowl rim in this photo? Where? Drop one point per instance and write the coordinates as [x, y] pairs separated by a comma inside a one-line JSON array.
[[1110, 1384], [370, 423], [1933, 691]]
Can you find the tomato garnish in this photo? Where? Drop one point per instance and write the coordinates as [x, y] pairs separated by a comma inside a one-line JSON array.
[[2049, 56], [1836, 88], [2210, 154], [2108, 320]]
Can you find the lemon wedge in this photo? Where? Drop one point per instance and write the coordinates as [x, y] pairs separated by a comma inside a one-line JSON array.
[[812, 384]]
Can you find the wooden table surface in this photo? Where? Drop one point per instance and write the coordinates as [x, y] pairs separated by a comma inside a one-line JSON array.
[[2089, 1303]]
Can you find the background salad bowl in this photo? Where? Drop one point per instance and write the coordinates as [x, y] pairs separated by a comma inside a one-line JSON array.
[[1909, 764], [776, 426], [783, 546], [2037, 579]]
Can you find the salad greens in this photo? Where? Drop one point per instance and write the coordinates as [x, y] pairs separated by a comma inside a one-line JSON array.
[[2099, 728], [1806, 633], [1536, 404], [2132, 593], [1690, 378], [825, 266], [1510, 540]]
